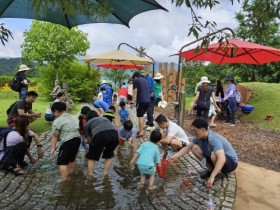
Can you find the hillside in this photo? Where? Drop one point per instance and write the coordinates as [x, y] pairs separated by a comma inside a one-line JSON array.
[[8, 65]]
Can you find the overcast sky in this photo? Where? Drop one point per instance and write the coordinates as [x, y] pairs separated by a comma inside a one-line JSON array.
[[160, 33]]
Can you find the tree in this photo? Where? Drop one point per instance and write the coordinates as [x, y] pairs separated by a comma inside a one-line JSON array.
[[4, 34], [264, 11], [82, 81], [117, 76], [269, 35], [55, 44]]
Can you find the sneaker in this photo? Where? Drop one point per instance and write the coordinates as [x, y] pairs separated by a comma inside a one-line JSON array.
[[149, 128], [205, 174], [232, 124], [226, 123], [219, 176]]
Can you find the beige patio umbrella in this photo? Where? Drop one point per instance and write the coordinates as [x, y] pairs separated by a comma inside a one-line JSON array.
[[118, 57]]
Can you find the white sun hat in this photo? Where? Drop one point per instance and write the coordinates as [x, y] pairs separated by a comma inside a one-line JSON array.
[[23, 67], [103, 81], [204, 80], [158, 76], [162, 104]]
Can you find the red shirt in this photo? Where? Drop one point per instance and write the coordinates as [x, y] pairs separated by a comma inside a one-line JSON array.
[[122, 92]]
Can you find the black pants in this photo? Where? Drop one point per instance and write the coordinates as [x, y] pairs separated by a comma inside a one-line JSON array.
[[150, 113], [13, 155]]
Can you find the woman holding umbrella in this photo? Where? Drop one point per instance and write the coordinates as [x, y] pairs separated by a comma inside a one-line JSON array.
[[230, 101]]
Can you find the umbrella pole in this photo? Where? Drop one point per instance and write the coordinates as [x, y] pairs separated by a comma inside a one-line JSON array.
[[179, 77], [123, 43]]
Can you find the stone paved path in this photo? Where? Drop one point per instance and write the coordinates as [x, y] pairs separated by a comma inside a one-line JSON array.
[[181, 188]]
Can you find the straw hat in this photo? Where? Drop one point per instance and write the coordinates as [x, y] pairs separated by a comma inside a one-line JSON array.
[[162, 104], [204, 80], [158, 76], [103, 81], [23, 67]]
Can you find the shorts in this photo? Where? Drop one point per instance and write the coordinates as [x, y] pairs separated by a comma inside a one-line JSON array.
[[213, 113], [68, 151], [49, 117], [146, 170], [142, 108], [129, 97], [104, 142], [229, 166]]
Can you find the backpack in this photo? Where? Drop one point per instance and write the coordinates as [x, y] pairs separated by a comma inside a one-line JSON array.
[[10, 108], [3, 135], [16, 83], [238, 97]]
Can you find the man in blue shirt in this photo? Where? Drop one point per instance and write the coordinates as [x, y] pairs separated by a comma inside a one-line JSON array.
[[213, 150], [141, 94], [150, 111], [101, 106], [107, 96]]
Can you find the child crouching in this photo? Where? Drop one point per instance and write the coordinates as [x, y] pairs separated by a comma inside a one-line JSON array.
[[147, 156], [127, 133]]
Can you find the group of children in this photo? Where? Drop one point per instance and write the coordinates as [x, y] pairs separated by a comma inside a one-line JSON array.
[[69, 129]]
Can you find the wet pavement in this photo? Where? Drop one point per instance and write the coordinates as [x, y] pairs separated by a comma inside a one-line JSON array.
[[41, 188]]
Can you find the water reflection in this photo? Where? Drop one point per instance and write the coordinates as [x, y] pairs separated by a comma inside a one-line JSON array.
[[118, 191]]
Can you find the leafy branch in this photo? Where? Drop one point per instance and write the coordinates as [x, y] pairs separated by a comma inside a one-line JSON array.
[[4, 34]]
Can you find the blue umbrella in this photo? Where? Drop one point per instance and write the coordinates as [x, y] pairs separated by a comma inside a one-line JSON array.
[[122, 11]]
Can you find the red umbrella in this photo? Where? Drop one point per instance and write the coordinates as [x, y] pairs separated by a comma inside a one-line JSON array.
[[119, 66], [235, 51]]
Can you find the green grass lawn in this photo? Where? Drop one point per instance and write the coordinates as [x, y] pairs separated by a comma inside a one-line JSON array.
[[266, 100], [40, 105]]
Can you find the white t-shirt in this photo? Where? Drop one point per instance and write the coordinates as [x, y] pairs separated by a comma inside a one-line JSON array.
[[177, 132], [130, 89], [100, 96], [13, 138], [49, 110]]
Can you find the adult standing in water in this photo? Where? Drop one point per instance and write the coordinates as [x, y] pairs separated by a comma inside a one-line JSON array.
[[103, 139], [21, 75], [230, 101]]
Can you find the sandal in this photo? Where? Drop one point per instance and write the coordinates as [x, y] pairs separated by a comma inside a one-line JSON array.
[[17, 171], [139, 135]]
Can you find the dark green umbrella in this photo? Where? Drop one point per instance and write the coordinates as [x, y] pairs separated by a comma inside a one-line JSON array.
[[121, 11]]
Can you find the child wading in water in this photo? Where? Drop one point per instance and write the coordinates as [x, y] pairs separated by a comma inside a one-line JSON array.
[[127, 133], [82, 122], [147, 156], [66, 129]]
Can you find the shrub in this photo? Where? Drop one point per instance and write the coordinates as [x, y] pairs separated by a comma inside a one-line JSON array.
[[82, 81]]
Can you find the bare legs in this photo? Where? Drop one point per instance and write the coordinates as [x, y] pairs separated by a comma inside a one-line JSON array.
[[65, 172], [141, 125], [107, 166], [151, 181]]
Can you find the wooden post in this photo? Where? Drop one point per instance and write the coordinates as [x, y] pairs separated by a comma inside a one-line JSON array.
[[181, 108], [163, 81]]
